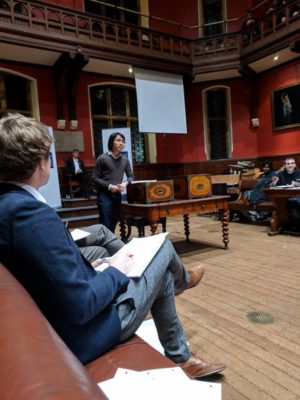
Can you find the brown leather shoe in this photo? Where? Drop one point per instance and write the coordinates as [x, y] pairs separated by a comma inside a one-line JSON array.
[[194, 367], [196, 274]]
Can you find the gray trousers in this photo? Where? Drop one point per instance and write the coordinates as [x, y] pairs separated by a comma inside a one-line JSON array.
[[154, 291], [100, 243]]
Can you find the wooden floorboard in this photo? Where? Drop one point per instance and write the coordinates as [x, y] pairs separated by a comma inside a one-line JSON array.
[[257, 273]]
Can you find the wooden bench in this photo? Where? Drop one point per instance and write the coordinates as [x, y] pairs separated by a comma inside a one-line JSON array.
[[36, 364]]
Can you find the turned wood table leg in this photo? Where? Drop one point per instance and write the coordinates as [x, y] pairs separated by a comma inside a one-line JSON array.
[[274, 223], [154, 228], [225, 228], [124, 236], [186, 222]]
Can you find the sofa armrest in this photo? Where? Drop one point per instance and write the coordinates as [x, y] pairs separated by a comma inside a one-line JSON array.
[[34, 362], [134, 354]]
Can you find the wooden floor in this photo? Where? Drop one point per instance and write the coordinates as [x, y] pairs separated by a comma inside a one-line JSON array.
[[258, 273]]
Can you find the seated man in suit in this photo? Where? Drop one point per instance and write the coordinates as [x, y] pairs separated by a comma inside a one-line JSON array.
[[76, 170], [92, 311], [290, 176]]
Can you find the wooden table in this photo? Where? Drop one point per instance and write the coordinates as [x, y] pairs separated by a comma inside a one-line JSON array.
[[280, 217], [154, 211]]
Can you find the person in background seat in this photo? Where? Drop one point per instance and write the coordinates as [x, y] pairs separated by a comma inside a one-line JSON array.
[[290, 176], [257, 195], [75, 169]]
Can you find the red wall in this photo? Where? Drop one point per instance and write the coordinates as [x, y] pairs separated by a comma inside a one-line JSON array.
[[283, 141], [47, 102], [183, 13], [74, 4], [190, 147]]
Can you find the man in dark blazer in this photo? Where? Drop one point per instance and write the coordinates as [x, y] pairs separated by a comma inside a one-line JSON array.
[[75, 169], [92, 311]]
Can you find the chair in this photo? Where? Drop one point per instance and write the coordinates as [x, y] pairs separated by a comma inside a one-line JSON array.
[[73, 184]]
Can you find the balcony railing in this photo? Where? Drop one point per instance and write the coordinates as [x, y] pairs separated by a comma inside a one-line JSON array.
[[35, 18], [37, 24], [280, 22]]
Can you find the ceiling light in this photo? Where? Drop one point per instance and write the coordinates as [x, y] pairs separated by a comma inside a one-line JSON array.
[[130, 70], [276, 58]]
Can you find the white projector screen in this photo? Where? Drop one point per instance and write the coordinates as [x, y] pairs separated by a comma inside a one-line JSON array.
[[160, 99]]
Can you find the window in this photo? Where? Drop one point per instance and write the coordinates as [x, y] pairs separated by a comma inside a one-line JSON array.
[[110, 10], [217, 123], [116, 107], [15, 94], [212, 12]]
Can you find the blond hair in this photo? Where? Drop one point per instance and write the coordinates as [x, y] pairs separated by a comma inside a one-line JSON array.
[[23, 143]]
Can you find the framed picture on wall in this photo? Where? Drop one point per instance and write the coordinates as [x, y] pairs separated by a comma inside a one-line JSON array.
[[286, 107]]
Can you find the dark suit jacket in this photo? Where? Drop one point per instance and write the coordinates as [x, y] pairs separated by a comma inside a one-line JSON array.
[[39, 251], [70, 166]]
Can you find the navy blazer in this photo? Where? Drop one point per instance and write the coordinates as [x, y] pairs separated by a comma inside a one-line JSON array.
[[39, 251], [70, 166]]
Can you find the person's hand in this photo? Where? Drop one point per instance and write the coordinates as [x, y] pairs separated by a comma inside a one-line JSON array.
[[275, 179], [114, 188], [78, 171], [97, 262], [123, 261], [122, 186], [295, 184]]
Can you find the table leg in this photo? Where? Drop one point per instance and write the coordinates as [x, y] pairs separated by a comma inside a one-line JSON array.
[[186, 222], [123, 234], [154, 227], [274, 225], [225, 228], [280, 217]]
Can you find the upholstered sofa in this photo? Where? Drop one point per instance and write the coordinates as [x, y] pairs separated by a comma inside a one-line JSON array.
[[240, 204], [35, 364]]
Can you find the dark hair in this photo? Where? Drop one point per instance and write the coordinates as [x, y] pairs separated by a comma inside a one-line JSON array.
[[269, 163], [73, 151], [111, 139]]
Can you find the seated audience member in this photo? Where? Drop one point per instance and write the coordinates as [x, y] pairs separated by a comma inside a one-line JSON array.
[[76, 170], [92, 311], [290, 175], [249, 27], [257, 194]]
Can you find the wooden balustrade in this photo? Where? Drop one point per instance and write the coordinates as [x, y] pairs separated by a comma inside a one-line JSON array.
[[41, 25]]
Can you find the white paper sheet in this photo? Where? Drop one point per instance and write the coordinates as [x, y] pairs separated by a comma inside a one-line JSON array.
[[171, 383]]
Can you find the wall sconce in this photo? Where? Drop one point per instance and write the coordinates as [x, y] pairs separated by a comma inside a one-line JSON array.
[[73, 124], [255, 122], [61, 123]]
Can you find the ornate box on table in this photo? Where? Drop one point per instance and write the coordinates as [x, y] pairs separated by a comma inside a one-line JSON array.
[[150, 192], [192, 186]]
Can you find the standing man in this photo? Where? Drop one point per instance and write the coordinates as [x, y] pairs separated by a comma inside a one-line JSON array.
[[76, 170], [92, 311], [108, 176]]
